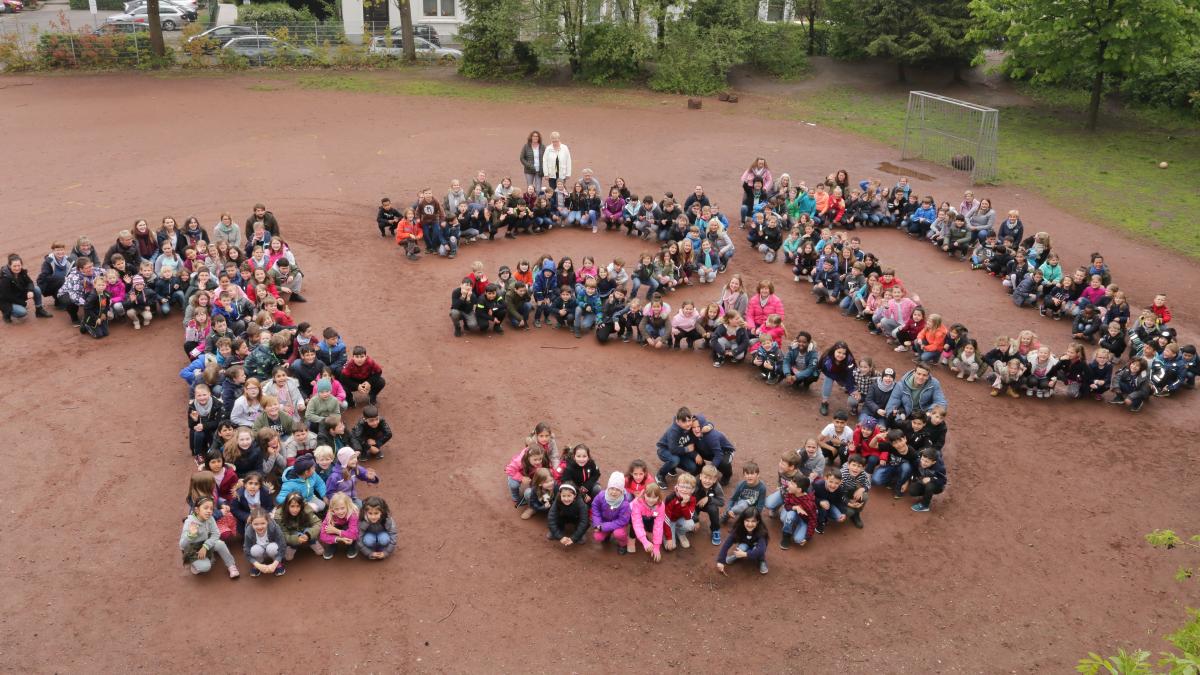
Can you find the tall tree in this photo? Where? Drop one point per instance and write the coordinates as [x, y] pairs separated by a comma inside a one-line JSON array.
[[156, 37], [490, 36], [406, 29], [811, 9], [909, 32], [1054, 41]]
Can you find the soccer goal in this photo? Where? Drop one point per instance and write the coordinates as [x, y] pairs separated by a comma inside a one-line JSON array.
[[955, 133]]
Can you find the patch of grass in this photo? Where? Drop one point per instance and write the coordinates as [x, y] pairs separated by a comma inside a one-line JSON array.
[[1110, 177], [263, 87]]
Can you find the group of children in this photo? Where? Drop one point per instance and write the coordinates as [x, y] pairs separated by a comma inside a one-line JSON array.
[[1028, 267], [828, 480], [276, 464]]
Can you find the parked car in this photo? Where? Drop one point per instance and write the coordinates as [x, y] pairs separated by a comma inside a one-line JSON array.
[[223, 34], [120, 28], [421, 30], [259, 48], [186, 9], [185, 5], [171, 17], [12, 6], [426, 50]]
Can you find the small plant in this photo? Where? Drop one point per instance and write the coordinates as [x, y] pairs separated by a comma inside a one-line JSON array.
[[1167, 540]]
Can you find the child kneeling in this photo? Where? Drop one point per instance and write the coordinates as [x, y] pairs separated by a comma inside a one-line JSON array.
[[377, 530]]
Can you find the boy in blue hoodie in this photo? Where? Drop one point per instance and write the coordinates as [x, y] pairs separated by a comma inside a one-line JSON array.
[[332, 351], [589, 309], [301, 477], [545, 290], [674, 447]]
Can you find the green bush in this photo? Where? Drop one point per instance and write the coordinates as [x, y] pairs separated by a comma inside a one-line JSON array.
[[693, 61], [274, 13], [102, 5], [75, 50], [779, 49], [614, 52], [1175, 87], [491, 41]]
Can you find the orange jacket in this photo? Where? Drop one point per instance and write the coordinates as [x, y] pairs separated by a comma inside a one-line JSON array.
[[934, 340], [406, 230]]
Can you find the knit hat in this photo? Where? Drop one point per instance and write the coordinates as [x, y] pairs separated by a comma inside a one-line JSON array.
[[568, 486], [889, 371], [324, 386], [867, 423], [616, 480], [345, 455], [303, 464]]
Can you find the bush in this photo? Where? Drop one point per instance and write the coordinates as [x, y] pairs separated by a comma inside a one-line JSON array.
[[274, 13], [73, 50], [101, 5], [693, 61], [614, 52], [779, 49], [1175, 87], [491, 40]]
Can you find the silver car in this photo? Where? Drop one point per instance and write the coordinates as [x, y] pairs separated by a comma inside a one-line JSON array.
[[259, 48], [221, 35], [170, 17], [426, 50]]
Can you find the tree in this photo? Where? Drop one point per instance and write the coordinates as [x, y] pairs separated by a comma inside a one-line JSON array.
[[1053, 41], [406, 30], [490, 37], [812, 8], [909, 32], [156, 37]]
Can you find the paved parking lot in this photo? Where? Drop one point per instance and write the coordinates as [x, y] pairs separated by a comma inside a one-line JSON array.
[[57, 16]]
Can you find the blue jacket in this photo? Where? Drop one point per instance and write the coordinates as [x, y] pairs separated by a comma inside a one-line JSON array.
[[188, 373], [904, 395], [801, 365], [545, 287], [308, 488], [714, 447], [925, 213], [334, 357], [676, 440], [584, 301]]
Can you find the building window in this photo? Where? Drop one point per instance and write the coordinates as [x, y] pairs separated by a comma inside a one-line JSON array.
[[775, 10], [439, 8]]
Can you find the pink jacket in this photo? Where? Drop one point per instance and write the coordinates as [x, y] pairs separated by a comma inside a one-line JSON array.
[[776, 333], [679, 322], [757, 313], [515, 469], [639, 510], [338, 391], [586, 272], [350, 527], [899, 310]]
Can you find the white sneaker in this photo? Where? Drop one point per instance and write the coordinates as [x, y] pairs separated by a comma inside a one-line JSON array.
[[796, 278], [683, 541], [136, 324]]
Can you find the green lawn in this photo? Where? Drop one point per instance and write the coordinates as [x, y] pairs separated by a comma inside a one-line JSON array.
[[1110, 177]]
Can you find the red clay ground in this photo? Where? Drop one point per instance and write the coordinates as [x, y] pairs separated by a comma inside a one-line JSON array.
[[1032, 558]]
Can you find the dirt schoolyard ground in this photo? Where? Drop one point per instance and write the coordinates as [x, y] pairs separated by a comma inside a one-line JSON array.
[[1033, 557]]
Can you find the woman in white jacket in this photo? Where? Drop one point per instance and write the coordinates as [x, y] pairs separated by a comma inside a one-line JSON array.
[[556, 162]]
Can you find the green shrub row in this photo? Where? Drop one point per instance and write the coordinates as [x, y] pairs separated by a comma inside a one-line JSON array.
[[74, 50]]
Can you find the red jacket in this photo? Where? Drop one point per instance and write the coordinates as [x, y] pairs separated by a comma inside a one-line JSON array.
[[633, 487], [406, 230], [368, 368], [862, 445], [677, 509], [479, 284], [1163, 313]]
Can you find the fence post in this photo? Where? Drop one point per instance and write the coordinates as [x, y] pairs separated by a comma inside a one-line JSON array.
[[137, 49]]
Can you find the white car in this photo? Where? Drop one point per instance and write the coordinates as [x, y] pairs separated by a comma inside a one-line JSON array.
[[186, 5], [172, 18], [426, 50]]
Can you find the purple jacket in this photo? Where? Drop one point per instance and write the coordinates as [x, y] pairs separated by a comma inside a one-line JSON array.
[[607, 519], [349, 485]]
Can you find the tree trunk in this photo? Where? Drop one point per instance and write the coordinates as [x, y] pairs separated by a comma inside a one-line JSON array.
[[812, 27], [406, 30], [1097, 87], [901, 73], [156, 37]]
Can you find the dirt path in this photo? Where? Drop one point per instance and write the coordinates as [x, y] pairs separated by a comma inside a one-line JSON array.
[[1033, 558]]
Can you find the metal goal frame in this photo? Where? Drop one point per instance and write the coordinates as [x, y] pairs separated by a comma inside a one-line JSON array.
[[952, 132]]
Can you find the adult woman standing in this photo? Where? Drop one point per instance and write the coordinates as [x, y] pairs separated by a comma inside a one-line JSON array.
[[531, 160], [556, 162]]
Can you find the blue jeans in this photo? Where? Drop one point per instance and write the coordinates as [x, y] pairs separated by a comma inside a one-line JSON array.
[[525, 310], [433, 236], [794, 525], [19, 311], [575, 217], [583, 322], [930, 357], [827, 389], [672, 463], [681, 526], [651, 286], [746, 547], [774, 501], [892, 476], [376, 542], [823, 515], [514, 490]]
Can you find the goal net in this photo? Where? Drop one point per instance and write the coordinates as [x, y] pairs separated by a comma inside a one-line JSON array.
[[953, 133]]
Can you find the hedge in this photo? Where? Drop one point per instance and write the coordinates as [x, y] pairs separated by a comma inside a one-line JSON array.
[[75, 50]]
